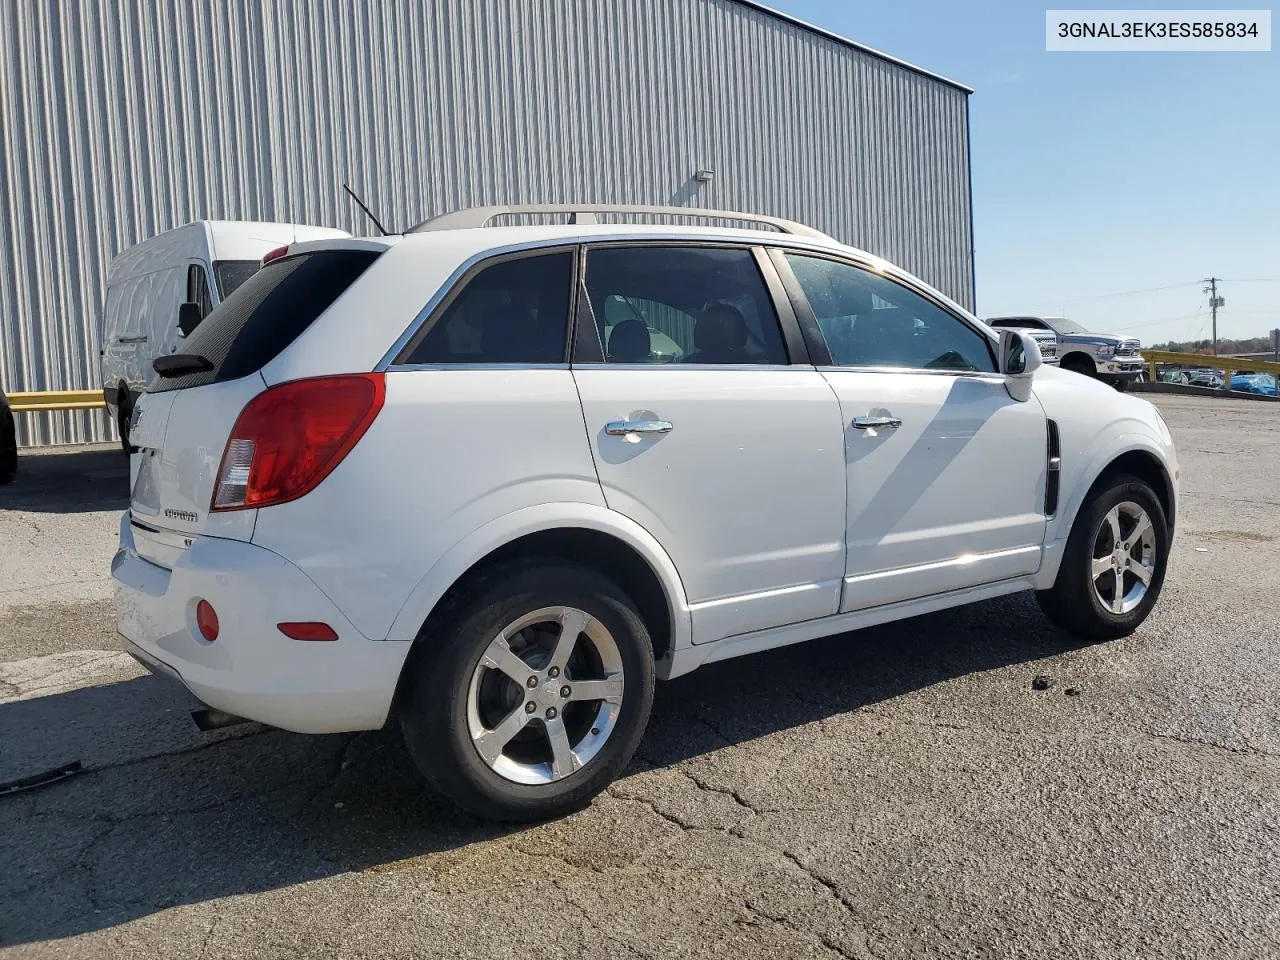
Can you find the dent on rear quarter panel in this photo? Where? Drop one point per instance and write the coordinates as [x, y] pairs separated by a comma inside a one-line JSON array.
[[450, 451]]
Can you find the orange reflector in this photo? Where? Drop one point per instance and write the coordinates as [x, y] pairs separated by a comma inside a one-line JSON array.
[[207, 620], [307, 630]]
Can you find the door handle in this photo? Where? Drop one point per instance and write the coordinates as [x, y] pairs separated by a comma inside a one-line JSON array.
[[141, 339], [873, 423], [620, 428]]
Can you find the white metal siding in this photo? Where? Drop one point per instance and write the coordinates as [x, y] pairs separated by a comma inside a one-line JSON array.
[[119, 120]]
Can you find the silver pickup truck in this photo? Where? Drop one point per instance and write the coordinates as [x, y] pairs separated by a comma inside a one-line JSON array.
[[1109, 357]]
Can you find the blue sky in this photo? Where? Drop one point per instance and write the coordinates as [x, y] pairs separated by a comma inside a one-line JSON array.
[[1102, 173]]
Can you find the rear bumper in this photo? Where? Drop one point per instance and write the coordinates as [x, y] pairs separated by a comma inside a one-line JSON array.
[[252, 670]]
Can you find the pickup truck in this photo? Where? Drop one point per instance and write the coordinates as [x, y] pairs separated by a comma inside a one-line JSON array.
[[1109, 357]]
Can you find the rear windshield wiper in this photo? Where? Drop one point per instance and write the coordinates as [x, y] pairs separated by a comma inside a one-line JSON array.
[[177, 364]]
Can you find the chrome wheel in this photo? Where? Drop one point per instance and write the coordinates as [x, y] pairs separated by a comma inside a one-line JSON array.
[[545, 695], [1124, 557]]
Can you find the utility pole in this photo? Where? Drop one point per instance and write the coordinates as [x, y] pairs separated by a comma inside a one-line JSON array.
[[1215, 302]]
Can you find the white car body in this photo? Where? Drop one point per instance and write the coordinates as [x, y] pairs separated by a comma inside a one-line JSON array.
[[149, 281], [762, 515]]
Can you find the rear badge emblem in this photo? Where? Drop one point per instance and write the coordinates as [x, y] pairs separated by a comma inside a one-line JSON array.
[[182, 515]]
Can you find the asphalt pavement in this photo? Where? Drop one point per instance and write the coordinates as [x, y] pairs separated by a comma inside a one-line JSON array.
[[902, 791]]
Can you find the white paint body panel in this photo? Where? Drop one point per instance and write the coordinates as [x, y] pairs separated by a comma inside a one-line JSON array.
[[252, 669], [746, 493], [451, 450], [952, 498]]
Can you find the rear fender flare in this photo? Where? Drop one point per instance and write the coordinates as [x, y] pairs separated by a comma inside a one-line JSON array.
[[468, 551]]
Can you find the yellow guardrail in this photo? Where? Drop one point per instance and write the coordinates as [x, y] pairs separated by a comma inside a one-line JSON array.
[[39, 400], [1154, 357]]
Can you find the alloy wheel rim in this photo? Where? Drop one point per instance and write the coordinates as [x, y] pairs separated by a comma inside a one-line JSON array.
[[1123, 558], [545, 696]]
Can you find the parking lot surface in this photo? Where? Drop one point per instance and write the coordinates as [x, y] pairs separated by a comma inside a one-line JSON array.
[[896, 792]]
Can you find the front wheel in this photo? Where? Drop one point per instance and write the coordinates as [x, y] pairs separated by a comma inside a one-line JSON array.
[[1114, 562], [529, 693]]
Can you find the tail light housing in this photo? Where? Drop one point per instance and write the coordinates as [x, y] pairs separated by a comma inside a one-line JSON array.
[[291, 436], [275, 254]]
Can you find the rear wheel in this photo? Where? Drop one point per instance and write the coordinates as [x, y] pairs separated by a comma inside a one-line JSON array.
[[1113, 566], [530, 692]]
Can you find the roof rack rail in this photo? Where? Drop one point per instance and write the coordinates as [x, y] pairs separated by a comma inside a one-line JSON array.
[[586, 213]]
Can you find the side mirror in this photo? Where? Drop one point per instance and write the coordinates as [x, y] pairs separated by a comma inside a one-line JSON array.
[[189, 318], [1019, 359]]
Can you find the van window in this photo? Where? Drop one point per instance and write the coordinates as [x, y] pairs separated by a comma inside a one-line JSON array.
[[268, 312], [230, 274], [198, 289]]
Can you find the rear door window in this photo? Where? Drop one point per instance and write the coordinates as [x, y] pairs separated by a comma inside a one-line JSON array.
[[515, 310], [268, 312], [682, 304]]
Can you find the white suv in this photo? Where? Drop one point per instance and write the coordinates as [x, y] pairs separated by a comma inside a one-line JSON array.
[[494, 480]]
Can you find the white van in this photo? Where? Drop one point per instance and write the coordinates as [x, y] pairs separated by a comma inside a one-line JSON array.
[[190, 269]]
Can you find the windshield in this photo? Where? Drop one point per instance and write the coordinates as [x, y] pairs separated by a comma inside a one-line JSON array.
[[1063, 325], [231, 273]]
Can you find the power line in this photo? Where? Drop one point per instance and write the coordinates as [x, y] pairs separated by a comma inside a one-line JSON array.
[[1131, 293], [1253, 280]]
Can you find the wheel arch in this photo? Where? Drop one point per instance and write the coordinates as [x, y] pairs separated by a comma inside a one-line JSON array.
[[1132, 454], [1078, 358], [580, 532]]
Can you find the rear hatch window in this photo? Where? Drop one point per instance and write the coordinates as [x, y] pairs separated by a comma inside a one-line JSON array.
[[265, 314]]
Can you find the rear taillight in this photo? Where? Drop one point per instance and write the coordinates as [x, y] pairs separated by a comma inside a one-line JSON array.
[[290, 437], [275, 254]]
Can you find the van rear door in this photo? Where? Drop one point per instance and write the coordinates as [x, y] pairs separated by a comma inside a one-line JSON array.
[[184, 418]]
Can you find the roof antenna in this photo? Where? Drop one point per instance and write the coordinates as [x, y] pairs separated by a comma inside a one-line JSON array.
[[368, 213]]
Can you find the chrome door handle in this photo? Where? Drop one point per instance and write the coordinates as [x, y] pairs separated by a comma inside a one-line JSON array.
[[620, 428], [872, 423], [141, 339]]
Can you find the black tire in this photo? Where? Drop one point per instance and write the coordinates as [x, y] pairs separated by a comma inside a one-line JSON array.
[[1078, 363], [8, 447], [1072, 603], [1122, 385], [124, 412], [433, 700]]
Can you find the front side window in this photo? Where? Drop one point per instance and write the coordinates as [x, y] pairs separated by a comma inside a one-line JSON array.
[[512, 311], [695, 305], [869, 320]]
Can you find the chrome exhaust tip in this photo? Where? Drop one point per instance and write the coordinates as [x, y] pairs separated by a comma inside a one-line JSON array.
[[212, 719]]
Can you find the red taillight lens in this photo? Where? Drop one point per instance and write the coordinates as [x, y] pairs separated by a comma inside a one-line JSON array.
[[207, 620], [291, 436], [275, 254], [307, 630]]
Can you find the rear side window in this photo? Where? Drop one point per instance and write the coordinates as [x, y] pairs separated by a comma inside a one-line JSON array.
[[704, 305], [512, 311], [268, 312]]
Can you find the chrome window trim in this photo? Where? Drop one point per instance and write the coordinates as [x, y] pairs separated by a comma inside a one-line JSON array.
[[693, 366], [409, 367], [993, 376]]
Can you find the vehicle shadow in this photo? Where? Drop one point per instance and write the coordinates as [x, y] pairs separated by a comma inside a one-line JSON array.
[[79, 480], [249, 809]]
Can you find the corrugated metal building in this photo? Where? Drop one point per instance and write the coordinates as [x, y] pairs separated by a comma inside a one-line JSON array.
[[120, 119]]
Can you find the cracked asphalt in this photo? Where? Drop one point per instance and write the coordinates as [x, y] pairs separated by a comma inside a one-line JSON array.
[[897, 792]]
